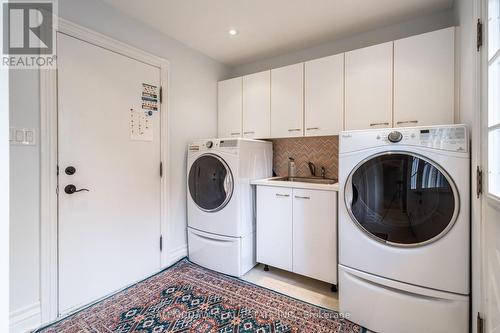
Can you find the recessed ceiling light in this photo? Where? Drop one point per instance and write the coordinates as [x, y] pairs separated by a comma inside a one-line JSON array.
[[233, 32]]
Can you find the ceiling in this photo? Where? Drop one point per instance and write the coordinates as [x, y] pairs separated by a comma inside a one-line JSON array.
[[268, 27]]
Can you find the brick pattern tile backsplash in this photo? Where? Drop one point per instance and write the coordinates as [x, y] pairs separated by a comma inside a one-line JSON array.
[[322, 151]]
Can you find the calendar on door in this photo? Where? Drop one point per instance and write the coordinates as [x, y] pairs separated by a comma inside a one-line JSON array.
[[140, 126]]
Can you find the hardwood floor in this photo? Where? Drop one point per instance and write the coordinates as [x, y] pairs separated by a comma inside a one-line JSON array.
[[293, 285]]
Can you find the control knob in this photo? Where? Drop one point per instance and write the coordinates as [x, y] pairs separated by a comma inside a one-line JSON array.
[[395, 136]]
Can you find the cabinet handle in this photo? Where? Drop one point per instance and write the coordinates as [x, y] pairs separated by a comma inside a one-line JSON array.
[[407, 122], [312, 128], [300, 197], [294, 129], [378, 124], [251, 132], [282, 195], [236, 133]]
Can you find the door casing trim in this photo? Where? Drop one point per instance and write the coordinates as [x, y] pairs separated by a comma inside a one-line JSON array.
[[48, 161]]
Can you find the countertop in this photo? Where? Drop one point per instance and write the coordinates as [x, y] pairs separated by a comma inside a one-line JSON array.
[[309, 186]]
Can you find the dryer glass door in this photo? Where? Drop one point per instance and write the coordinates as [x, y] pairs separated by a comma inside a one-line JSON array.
[[210, 183], [401, 199]]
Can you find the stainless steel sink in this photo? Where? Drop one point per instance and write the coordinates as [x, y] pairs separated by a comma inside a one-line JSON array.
[[314, 180]]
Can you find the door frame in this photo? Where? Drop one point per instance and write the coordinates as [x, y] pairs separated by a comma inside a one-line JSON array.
[[49, 160], [486, 199]]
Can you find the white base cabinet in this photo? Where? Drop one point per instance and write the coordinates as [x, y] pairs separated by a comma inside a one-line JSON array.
[[297, 231], [315, 234], [274, 226]]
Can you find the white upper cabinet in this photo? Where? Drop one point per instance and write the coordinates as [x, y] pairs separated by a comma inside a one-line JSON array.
[[257, 105], [408, 82], [368, 87], [324, 96], [230, 108], [287, 101], [424, 79]]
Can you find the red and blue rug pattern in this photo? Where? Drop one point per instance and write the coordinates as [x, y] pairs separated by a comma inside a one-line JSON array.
[[189, 298]]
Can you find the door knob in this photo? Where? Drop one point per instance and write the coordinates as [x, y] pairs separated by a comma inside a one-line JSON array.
[[70, 189], [70, 170]]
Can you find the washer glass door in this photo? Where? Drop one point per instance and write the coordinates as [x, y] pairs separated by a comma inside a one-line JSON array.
[[401, 199], [210, 183]]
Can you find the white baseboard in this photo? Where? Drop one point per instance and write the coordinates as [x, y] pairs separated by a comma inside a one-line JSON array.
[[177, 253], [25, 319]]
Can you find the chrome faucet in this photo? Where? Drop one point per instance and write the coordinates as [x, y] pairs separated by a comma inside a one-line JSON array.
[[323, 172], [312, 168]]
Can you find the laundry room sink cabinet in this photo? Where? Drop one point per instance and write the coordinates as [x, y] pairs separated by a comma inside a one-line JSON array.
[[297, 231]]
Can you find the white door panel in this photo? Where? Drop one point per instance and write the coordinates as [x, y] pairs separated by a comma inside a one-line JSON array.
[[109, 236]]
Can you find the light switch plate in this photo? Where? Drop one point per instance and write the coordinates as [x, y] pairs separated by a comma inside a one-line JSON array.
[[22, 136]]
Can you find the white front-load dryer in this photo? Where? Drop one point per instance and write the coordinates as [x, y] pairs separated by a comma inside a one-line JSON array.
[[221, 224], [404, 228]]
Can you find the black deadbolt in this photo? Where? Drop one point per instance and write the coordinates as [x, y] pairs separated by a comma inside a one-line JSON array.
[[70, 170], [70, 189]]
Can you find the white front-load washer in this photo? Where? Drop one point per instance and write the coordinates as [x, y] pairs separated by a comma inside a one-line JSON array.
[[404, 228], [220, 201]]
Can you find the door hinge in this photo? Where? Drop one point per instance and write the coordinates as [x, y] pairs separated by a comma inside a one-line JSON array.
[[161, 169], [479, 181], [479, 324], [161, 243], [161, 95], [479, 35]]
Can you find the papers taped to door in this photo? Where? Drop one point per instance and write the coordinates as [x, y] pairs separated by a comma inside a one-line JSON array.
[[150, 96], [141, 126]]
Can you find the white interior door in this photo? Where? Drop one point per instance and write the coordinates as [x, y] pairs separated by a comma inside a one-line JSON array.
[[108, 236], [491, 161]]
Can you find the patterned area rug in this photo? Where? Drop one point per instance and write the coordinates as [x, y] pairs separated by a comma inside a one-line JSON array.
[[189, 298]]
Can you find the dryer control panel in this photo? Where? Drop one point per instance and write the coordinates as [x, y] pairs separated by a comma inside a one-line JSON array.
[[206, 145], [449, 138]]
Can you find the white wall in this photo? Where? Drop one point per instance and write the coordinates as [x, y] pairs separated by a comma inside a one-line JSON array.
[[415, 26], [192, 91], [192, 114], [24, 203], [4, 195]]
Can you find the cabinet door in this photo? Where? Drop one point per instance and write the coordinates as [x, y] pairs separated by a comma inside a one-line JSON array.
[[315, 234], [324, 96], [424, 79], [287, 96], [257, 105], [274, 226], [368, 87], [230, 108]]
